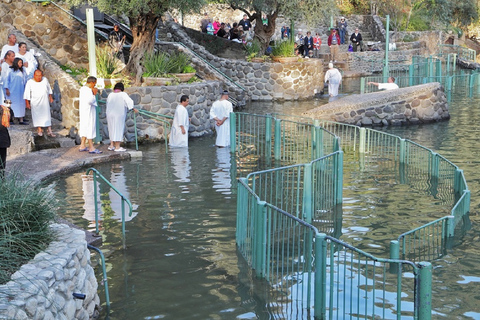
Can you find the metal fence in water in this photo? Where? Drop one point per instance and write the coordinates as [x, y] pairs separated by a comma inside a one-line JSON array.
[[280, 212]]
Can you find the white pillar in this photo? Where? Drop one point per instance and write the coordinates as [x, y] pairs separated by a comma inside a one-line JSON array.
[[92, 63]]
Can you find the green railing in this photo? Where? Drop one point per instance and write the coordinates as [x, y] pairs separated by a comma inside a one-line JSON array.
[[105, 277], [279, 213], [162, 118], [461, 52], [124, 200]]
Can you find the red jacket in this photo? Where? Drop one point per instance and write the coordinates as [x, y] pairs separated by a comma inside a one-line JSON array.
[[330, 39]]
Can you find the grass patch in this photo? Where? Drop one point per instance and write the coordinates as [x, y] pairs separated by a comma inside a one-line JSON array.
[[27, 210]]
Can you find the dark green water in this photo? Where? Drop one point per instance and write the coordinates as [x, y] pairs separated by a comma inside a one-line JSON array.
[[181, 261]]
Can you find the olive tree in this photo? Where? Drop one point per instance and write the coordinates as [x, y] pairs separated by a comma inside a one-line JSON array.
[[144, 16]]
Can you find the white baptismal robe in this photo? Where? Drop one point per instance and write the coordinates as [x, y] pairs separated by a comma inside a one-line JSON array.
[[8, 47], [32, 63], [334, 77], [87, 112], [117, 105], [38, 94], [221, 109], [177, 139]]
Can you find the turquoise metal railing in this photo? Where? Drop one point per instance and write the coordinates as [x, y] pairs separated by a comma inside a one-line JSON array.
[[311, 273], [162, 118], [105, 278], [124, 200], [461, 52], [278, 208]]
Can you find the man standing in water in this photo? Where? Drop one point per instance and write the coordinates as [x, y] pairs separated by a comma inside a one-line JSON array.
[[87, 110], [181, 122], [220, 112]]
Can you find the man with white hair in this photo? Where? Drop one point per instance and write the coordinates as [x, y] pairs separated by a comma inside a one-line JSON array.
[[11, 45], [389, 85], [220, 112]]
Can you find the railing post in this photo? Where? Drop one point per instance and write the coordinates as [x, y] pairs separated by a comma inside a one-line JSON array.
[[362, 85], [434, 173], [438, 70], [136, 133], [449, 228], [363, 139], [402, 160], [339, 182], [268, 138], [454, 61], [307, 193], [233, 132], [411, 71], [260, 238], [448, 63], [278, 140], [242, 208], [320, 308], [395, 255], [98, 136], [424, 291], [95, 199]]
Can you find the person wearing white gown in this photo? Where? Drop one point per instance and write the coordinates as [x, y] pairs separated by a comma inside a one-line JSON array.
[[11, 45], [14, 87], [87, 110], [334, 78], [38, 96], [181, 122], [118, 103], [7, 62], [30, 64], [220, 112]]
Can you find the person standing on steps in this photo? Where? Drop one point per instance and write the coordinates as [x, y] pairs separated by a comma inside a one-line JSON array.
[[333, 44], [87, 110], [118, 103], [38, 96], [7, 62], [342, 29], [116, 39], [308, 44], [11, 45], [15, 87], [356, 39], [180, 125], [220, 112]]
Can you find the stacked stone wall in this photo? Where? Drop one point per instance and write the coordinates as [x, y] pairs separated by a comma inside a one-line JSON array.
[[66, 43], [44, 287], [418, 104], [164, 100]]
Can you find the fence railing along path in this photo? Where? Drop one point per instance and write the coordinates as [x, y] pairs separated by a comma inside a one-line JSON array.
[[280, 211]]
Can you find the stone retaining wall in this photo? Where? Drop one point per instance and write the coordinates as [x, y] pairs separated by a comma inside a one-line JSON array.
[[65, 43], [418, 104], [164, 100], [43, 288], [262, 81]]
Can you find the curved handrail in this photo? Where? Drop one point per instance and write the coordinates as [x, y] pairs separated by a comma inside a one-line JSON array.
[[105, 278], [124, 199], [155, 116]]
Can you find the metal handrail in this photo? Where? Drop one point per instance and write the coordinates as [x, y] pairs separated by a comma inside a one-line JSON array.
[[124, 199], [105, 278], [155, 116], [213, 67]]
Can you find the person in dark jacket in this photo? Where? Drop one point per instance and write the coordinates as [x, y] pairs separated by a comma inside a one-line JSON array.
[[4, 136], [308, 44], [356, 39]]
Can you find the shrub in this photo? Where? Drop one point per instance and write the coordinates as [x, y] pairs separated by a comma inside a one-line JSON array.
[[160, 64], [284, 49], [177, 62], [27, 209], [107, 63], [253, 48]]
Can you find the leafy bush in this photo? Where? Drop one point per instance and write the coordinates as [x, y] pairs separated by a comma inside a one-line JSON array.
[[253, 48], [284, 49], [26, 210], [160, 64], [107, 63]]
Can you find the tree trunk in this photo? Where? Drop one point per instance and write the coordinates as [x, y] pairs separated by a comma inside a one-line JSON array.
[[143, 29], [264, 33]]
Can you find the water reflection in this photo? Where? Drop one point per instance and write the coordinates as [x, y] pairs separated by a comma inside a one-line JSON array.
[[221, 175], [181, 166], [119, 181], [88, 189]]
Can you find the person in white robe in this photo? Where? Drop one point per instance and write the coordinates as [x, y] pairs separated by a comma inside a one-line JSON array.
[[88, 115], [38, 96], [220, 112], [14, 88], [11, 45], [118, 103], [7, 62], [334, 78], [30, 64], [181, 122]]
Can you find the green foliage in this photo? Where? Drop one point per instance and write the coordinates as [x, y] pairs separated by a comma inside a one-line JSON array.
[[284, 49], [74, 72], [107, 63], [419, 21], [350, 7], [26, 210], [161, 64], [253, 48]]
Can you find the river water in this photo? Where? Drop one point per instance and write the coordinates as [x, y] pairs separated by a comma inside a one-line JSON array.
[[181, 260]]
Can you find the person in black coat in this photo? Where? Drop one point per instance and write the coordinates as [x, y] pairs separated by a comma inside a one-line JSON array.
[[245, 23], [356, 39], [307, 44], [4, 136]]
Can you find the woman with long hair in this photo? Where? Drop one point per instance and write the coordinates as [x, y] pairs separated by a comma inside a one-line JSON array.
[[15, 87]]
